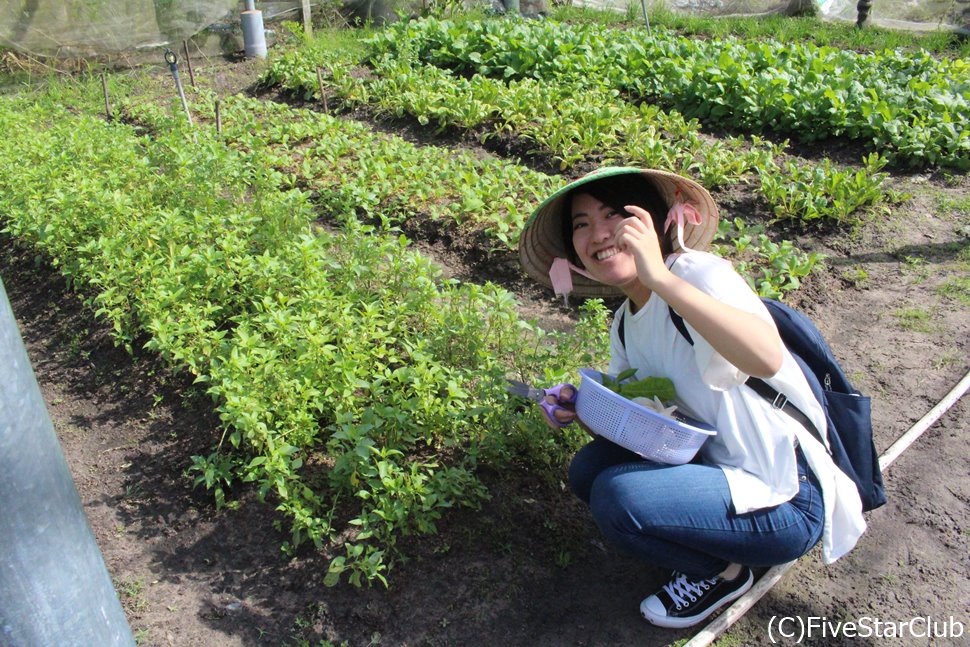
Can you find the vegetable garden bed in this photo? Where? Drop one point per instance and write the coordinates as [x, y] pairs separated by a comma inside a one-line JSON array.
[[359, 390]]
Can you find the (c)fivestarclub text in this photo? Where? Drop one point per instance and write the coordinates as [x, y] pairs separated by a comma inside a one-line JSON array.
[[798, 629]]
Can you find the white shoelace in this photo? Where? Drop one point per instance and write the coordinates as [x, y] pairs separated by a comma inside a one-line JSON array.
[[680, 587]]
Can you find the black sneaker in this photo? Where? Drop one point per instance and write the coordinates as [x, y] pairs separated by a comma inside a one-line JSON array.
[[684, 602]]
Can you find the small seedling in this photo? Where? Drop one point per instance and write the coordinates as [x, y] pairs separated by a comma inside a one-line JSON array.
[[949, 357], [856, 276], [131, 591]]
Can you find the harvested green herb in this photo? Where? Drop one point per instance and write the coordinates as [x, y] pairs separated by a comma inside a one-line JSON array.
[[648, 387]]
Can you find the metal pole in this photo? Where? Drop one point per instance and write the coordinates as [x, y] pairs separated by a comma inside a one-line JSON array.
[[54, 587], [172, 61], [646, 18], [107, 102]]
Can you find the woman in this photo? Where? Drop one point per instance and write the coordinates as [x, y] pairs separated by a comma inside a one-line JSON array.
[[763, 491]]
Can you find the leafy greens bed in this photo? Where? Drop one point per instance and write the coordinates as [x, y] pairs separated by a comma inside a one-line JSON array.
[[913, 107], [358, 389], [353, 171], [572, 120]]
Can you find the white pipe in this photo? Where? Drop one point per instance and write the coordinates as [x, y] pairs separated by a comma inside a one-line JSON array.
[[736, 611], [932, 416]]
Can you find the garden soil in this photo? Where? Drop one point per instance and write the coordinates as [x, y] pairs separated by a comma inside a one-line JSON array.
[[529, 568]]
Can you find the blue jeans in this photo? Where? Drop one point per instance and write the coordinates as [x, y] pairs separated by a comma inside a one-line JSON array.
[[680, 516]]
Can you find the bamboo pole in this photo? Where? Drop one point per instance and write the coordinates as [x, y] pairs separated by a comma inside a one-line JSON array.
[[218, 117], [107, 102]]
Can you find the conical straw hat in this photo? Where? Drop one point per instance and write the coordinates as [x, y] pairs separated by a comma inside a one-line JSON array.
[[541, 241]]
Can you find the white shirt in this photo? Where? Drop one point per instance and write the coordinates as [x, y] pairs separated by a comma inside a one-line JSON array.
[[755, 443]]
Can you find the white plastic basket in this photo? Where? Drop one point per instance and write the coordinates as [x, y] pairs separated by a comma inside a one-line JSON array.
[[641, 430]]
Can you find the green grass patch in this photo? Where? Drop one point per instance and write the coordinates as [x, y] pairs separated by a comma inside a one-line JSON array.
[[957, 205], [914, 319], [956, 289]]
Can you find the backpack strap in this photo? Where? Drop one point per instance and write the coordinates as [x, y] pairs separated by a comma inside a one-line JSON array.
[[780, 401], [622, 329], [680, 325], [777, 399]]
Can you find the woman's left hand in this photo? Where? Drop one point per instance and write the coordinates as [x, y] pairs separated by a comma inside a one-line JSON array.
[[637, 236]]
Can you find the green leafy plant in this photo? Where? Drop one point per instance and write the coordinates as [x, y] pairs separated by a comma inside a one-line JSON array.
[[906, 105], [357, 389], [771, 269], [823, 192]]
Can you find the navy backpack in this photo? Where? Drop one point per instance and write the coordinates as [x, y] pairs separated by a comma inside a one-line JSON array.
[[847, 412]]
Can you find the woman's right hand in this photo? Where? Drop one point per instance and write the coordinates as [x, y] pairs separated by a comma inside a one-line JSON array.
[[637, 236], [564, 413]]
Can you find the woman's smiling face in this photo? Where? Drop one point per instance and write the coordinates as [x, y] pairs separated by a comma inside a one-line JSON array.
[[594, 225]]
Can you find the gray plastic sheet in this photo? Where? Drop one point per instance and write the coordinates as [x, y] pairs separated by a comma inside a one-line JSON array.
[[54, 587]]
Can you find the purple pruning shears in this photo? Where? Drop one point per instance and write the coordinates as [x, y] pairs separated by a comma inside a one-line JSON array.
[[551, 400]]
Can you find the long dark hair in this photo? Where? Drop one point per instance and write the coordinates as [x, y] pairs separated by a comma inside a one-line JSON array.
[[617, 192]]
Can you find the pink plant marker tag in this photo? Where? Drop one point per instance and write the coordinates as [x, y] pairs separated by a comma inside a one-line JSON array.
[[678, 213], [561, 276]]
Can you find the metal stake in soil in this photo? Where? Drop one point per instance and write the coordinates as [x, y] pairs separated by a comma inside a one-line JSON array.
[[172, 61], [646, 18]]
